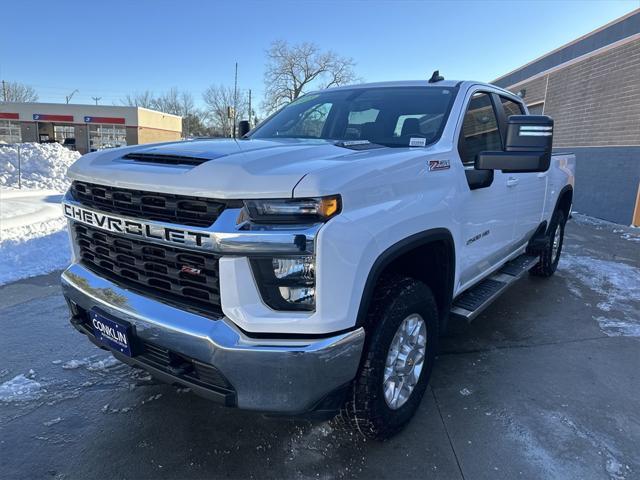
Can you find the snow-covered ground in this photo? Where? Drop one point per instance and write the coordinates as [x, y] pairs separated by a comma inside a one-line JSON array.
[[617, 284], [33, 237], [33, 234]]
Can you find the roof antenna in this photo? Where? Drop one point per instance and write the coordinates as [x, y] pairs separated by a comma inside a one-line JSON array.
[[436, 77]]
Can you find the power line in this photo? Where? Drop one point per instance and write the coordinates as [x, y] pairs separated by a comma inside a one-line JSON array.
[[96, 99]]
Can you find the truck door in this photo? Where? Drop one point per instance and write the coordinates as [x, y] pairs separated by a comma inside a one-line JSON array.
[[487, 208], [530, 188]]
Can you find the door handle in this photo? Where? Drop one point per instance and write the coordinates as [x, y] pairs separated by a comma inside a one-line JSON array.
[[512, 181], [542, 174]]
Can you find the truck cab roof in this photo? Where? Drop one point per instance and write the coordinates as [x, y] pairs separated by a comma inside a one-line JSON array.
[[415, 83]]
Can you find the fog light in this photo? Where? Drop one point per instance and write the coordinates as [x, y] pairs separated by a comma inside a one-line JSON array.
[[299, 295], [286, 283], [294, 268]]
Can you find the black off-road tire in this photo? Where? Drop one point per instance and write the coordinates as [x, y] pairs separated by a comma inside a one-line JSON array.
[[366, 410], [548, 261]]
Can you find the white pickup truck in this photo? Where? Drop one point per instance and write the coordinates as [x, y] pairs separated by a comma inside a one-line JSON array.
[[310, 266]]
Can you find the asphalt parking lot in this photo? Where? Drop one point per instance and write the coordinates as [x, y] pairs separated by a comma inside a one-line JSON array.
[[545, 384]]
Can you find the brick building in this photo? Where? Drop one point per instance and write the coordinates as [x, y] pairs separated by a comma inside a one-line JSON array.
[[86, 127], [591, 87]]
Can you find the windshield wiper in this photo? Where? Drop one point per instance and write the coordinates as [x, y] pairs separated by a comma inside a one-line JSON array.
[[358, 144]]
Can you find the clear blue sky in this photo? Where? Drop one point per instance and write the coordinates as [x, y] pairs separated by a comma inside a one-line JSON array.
[[110, 48]]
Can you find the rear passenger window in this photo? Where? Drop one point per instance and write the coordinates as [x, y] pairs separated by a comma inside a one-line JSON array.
[[511, 107], [480, 129]]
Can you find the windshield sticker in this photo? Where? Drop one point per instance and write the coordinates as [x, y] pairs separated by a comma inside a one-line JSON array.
[[417, 142]]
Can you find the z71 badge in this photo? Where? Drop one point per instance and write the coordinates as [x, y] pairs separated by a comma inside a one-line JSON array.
[[439, 165]]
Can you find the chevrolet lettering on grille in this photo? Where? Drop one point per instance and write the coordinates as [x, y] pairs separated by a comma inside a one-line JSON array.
[[136, 228]]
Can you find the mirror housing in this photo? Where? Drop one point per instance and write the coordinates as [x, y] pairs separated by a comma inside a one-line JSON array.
[[528, 146], [243, 128]]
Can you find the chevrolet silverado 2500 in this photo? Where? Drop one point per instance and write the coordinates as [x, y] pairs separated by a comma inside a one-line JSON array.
[[310, 266]]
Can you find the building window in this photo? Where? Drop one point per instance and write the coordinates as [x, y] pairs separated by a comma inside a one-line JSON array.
[[10, 132], [107, 136], [63, 132]]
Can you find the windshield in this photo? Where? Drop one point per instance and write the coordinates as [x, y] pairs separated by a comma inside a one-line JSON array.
[[390, 116]]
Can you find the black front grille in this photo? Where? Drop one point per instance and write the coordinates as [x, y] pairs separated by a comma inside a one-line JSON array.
[[181, 366], [152, 269], [163, 207]]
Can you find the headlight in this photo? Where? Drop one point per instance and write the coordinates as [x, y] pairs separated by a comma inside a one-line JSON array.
[[286, 283], [292, 210]]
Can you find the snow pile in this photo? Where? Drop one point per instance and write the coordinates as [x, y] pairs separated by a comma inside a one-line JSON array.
[[33, 235], [43, 165], [21, 389], [45, 248]]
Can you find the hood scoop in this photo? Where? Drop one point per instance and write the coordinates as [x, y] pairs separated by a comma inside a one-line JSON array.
[[166, 159]]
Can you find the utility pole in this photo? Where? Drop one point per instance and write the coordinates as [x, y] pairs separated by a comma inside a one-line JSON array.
[[96, 99], [4, 91], [249, 108], [69, 97], [235, 100]]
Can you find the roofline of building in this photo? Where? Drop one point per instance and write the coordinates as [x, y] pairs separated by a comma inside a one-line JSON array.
[[593, 53], [68, 104], [88, 105], [159, 111], [573, 42]]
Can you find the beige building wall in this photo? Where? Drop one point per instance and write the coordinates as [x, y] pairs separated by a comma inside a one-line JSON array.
[[153, 135], [156, 126]]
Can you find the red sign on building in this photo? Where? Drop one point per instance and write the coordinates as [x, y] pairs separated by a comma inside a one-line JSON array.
[[116, 120], [11, 116], [45, 117]]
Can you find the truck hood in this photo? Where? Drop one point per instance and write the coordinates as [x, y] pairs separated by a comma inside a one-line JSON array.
[[230, 169]]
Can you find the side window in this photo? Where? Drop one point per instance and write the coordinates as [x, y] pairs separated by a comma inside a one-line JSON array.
[[511, 107], [480, 129]]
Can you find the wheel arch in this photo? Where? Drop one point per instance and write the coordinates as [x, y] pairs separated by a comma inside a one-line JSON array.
[[565, 200], [434, 247]]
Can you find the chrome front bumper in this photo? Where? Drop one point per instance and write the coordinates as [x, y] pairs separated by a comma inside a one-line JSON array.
[[288, 376]]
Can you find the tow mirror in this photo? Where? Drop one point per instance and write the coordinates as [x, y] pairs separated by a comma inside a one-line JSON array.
[[243, 128], [528, 146]]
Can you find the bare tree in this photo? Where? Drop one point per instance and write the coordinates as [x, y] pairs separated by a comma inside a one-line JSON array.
[[169, 102], [17, 92], [224, 109], [145, 99], [172, 101], [191, 117], [291, 70]]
